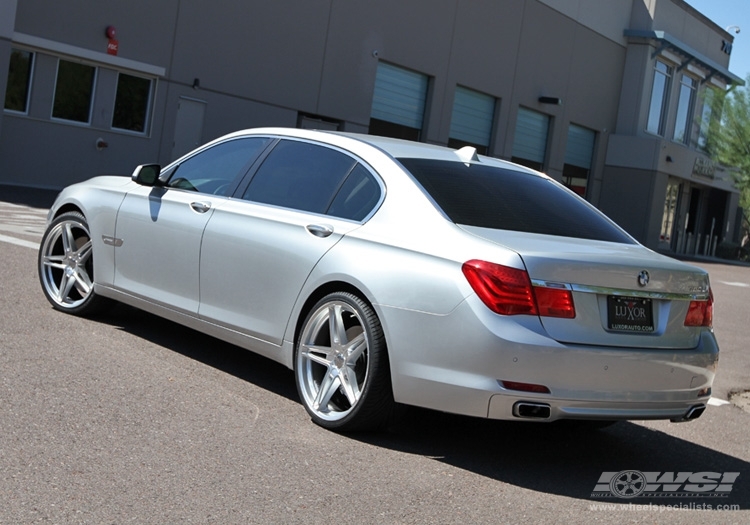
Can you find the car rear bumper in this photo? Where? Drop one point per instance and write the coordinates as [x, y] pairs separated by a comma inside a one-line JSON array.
[[460, 363]]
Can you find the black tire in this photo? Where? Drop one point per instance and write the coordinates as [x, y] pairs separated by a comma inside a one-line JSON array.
[[341, 368], [66, 266]]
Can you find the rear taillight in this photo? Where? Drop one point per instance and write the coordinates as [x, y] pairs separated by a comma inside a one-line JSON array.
[[701, 313], [555, 302], [508, 291]]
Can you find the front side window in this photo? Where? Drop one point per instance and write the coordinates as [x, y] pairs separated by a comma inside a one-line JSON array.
[[685, 105], [19, 81], [216, 169], [301, 176], [659, 97], [504, 199], [74, 91], [131, 103]]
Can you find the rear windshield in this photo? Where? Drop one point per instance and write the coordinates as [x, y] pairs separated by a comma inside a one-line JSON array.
[[502, 199]]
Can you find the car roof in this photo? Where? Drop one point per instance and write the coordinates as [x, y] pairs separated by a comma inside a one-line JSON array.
[[396, 148]]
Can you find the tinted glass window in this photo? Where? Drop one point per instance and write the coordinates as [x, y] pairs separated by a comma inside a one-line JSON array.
[[131, 103], [300, 175], [215, 169], [357, 197], [501, 199], [74, 91], [19, 80]]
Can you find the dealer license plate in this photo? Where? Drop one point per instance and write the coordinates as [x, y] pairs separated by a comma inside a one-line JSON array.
[[630, 314]]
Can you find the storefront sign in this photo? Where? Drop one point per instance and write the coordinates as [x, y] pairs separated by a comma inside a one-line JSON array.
[[704, 167]]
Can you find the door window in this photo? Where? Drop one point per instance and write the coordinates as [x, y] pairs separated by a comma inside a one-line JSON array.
[[215, 169], [301, 176]]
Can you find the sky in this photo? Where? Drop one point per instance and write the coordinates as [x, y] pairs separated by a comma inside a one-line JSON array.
[[726, 13]]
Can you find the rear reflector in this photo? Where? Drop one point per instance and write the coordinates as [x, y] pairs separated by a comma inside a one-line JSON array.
[[701, 313], [524, 387], [508, 291]]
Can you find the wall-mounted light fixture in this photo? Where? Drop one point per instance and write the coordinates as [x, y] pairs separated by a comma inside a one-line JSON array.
[[550, 100], [196, 83]]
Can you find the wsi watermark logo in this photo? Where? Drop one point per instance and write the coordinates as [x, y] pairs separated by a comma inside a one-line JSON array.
[[636, 484]]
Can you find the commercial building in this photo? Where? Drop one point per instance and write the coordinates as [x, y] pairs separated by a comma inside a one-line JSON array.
[[608, 97]]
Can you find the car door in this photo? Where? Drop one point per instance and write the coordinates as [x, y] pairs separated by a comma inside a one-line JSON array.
[[259, 250], [160, 227]]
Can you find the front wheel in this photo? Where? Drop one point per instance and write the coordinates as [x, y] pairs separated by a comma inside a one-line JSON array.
[[66, 265], [341, 365]]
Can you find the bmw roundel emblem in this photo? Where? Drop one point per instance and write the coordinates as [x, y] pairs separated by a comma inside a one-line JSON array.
[[643, 278]]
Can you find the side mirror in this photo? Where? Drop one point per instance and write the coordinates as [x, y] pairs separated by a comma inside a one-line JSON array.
[[147, 175]]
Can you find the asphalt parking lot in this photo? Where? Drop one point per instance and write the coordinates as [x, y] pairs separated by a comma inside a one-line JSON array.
[[131, 419]]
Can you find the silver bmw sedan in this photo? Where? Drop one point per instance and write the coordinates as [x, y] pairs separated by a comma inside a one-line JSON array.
[[387, 272]]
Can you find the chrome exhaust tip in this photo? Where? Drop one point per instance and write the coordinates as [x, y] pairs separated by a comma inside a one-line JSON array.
[[693, 412], [528, 410]]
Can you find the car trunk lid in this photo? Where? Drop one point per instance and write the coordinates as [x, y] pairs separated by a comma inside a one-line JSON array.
[[624, 294]]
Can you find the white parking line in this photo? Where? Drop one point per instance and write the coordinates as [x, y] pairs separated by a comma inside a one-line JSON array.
[[741, 285], [715, 401], [19, 242]]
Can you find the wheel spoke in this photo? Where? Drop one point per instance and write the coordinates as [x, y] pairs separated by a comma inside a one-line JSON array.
[[67, 238], [328, 387], [355, 348], [84, 252], [336, 324], [66, 285], [313, 353], [83, 282], [350, 385], [54, 261]]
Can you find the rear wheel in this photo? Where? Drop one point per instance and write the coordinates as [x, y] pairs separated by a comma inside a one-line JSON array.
[[341, 365], [66, 265]]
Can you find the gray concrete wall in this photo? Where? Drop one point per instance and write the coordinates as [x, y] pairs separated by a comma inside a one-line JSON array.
[[264, 63], [268, 63]]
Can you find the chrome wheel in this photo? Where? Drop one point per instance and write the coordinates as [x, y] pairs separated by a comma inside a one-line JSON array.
[[341, 365], [66, 263]]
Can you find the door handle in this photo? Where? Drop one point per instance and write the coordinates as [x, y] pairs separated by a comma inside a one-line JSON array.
[[200, 207], [320, 230]]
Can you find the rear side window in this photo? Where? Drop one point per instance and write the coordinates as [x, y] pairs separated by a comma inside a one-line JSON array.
[[313, 178], [357, 197], [502, 199]]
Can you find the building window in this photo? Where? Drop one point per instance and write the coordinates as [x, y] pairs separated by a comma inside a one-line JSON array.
[[131, 103], [398, 102], [685, 105], [471, 122], [579, 154], [530, 143], [670, 208], [74, 91], [706, 117], [659, 97], [19, 81]]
